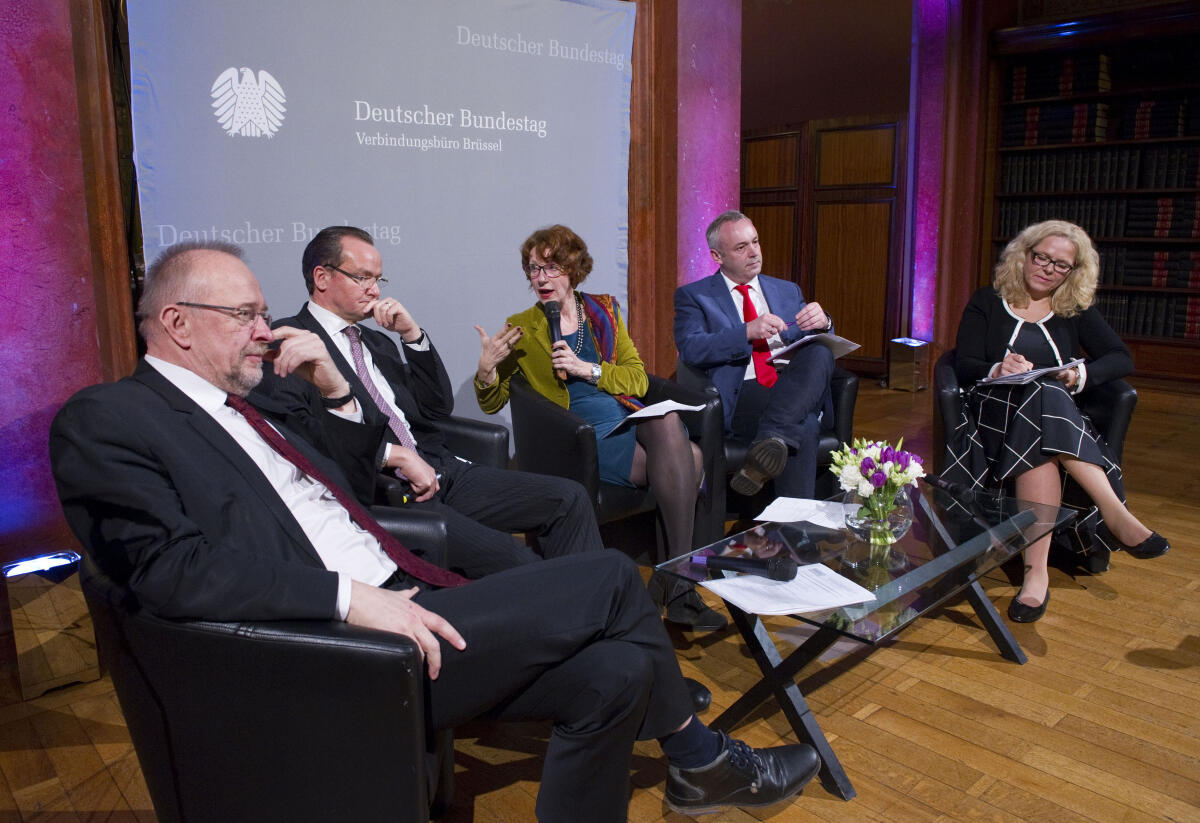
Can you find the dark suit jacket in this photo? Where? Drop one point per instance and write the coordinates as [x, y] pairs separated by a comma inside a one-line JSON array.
[[164, 495], [422, 386], [709, 334]]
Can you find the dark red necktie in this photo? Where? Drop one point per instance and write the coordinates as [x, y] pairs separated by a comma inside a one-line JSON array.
[[764, 372], [406, 560]]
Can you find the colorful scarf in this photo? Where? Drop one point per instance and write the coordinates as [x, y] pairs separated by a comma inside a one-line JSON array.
[[601, 311]]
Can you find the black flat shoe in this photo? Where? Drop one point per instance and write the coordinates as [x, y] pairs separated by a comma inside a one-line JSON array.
[[1153, 546], [689, 610], [1018, 612], [701, 696]]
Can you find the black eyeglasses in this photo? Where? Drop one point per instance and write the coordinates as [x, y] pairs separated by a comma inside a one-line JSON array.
[[364, 280], [1046, 261], [243, 314], [550, 270]]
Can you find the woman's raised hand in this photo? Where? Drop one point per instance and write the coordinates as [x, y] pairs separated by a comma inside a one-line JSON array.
[[493, 350]]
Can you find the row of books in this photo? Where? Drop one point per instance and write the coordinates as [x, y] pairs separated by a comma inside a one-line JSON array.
[[1124, 266], [1151, 315], [1175, 217], [1050, 123], [1043, 124], [1174, 117], [1141, 167], [1059, 77]]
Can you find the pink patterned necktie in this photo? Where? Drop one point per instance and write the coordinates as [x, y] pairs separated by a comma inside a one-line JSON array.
[[393, 548], [764, 372], [403, 435]]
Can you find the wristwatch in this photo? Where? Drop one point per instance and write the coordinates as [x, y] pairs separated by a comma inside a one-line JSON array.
[[595, 378], [336, 402]]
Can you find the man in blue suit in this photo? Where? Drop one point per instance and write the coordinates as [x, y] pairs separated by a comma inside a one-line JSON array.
[[727, 325]]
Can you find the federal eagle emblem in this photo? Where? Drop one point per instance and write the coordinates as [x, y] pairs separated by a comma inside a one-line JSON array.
[[249, 107]]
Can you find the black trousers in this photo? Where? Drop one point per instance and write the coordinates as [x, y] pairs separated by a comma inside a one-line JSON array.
[[791, 410], [576, 641], [483, 506]]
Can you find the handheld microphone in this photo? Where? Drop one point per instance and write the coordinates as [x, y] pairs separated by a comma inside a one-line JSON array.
[[956, 490], [779, 567], [554, 315]]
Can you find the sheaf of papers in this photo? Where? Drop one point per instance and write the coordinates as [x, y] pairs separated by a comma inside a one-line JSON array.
[[814, 588], [653, 410], [1021, 378], [828, 513], [837, 345]]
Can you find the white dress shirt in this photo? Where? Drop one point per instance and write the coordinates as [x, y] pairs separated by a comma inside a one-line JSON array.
[[343, 546], [760, 305]]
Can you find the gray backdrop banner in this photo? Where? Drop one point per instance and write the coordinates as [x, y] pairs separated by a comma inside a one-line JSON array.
[[450, 130]]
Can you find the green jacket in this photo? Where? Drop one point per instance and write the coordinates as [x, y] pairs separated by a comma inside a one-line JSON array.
[[531, 357]]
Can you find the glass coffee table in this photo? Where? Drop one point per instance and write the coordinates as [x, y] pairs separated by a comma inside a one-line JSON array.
[[952, 543]]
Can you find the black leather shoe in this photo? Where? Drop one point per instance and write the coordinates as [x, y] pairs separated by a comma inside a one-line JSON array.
[[742, 776], [1153, 546], [764, 461], [701, 696], [1018, 612], [689, 610]]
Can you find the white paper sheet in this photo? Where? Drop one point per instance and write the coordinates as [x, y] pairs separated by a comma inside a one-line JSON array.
[[1021, 378], [835, 344], [814, 588], [828, 513], [653, 410]]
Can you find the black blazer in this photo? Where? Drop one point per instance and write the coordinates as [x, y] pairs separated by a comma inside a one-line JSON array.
[[179, 513], [986, 328], [422, 386]]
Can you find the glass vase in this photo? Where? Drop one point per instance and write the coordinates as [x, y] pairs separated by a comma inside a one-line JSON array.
[[878, 520]]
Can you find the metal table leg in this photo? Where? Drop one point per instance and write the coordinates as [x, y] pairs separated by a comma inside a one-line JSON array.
[[779, 679]]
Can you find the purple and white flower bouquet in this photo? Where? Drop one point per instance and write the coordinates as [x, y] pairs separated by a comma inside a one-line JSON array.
[[873, 474]]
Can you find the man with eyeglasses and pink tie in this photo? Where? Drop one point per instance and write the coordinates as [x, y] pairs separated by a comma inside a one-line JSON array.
[[483, 506]]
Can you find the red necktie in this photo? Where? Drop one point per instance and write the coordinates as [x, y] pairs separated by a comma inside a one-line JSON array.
[[406, 560], [764, 372]]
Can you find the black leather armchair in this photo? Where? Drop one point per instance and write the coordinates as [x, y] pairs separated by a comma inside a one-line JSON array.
[[1109, 405], [552, 440], [286, 721], [477, 440], [844, 386]]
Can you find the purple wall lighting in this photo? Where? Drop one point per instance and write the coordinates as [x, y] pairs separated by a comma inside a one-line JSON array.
[[48, 339], [928, 113], [710, 112]]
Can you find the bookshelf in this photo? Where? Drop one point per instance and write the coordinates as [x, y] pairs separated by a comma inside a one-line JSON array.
[[1103, 129]]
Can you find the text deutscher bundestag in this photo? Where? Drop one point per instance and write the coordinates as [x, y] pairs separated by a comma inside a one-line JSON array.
[[501, 121], [367, 111]]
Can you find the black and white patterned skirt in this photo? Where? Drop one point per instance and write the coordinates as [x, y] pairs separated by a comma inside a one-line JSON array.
[[1006, 430]]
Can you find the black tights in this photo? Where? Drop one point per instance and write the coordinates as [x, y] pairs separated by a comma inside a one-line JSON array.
[[669, 464]]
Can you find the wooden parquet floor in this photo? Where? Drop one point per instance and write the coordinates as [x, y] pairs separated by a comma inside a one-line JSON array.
[[1102, 723]]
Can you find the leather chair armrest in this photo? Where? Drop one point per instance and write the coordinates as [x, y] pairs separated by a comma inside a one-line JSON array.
[[293, 720], [552, 440], [947, 407], [707, 428], [476, 440], [1110, 406], [692, 377], [422, 532], [843, 385]]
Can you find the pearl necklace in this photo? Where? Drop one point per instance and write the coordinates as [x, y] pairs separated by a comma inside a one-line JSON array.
[[579, 328]]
